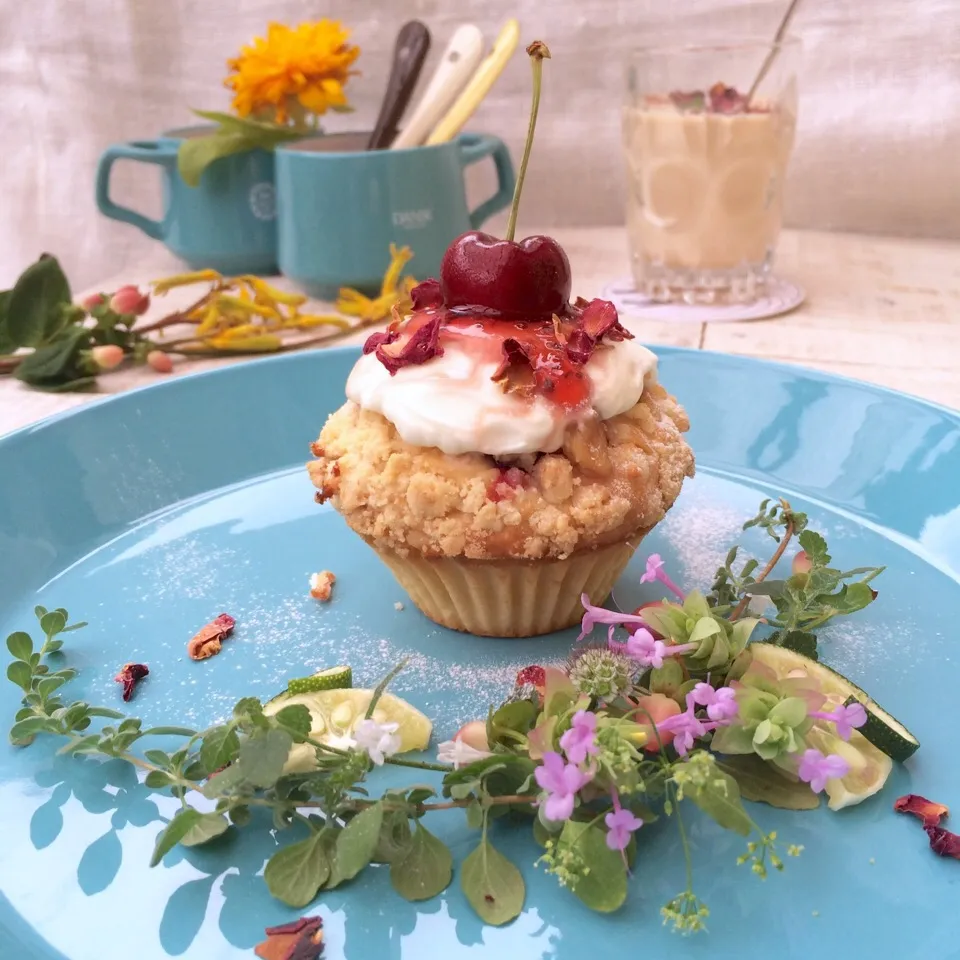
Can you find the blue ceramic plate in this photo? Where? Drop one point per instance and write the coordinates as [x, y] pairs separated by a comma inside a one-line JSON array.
[[150, 513]]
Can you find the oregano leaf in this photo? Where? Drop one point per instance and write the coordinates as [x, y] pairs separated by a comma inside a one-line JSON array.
[[719, 798], [209, 826], [53, 622], [425, 869], [296, 720], [20, 645], [219, 748], [157, 780], [395, 837], [20, 673], [604, 887], [262, 756], [357, 842], [492, 884], [174, 832], [295, 873]]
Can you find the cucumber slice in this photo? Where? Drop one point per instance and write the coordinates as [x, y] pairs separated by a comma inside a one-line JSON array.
[[886, 732], [333, 678], [882, 729]]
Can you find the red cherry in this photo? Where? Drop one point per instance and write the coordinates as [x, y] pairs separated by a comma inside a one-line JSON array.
[[527, 280]]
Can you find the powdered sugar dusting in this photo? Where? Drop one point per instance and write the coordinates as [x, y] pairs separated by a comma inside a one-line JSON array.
[[700, 531]]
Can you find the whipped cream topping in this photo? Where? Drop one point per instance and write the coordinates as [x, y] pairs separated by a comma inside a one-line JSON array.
[[451, 402]]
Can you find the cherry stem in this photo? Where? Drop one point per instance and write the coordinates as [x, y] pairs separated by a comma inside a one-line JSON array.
[[537, 51]]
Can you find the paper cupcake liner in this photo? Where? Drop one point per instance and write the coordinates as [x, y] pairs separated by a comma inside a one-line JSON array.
[[508, 598]]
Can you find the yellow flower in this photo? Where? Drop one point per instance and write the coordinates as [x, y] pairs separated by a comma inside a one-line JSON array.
[[306, 66]]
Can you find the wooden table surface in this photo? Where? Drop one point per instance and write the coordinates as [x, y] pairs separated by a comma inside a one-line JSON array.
[[884, 310]]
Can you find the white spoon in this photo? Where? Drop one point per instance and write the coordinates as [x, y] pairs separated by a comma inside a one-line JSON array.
[[457, 65]]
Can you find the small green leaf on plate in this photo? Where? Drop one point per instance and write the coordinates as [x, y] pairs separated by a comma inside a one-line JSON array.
[[174, 832], [20, 645], [294, 874], [425, 869], [492, 884], [209, 826]]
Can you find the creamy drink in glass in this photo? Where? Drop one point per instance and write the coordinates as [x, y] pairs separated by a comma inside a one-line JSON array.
[[706, 157]]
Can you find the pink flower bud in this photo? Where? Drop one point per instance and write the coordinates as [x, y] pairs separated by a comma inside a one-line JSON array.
[[129, 300], [801, 563], [107, 357], [159, 361], [93, 300]]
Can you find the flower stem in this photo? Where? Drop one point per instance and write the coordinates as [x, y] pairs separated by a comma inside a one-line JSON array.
[[537, 51], [771, 563]]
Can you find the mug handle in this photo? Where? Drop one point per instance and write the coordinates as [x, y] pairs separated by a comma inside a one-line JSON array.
[[476, 146], [161, 152]]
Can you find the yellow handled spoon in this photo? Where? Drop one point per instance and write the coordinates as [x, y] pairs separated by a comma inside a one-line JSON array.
[[479, 86]]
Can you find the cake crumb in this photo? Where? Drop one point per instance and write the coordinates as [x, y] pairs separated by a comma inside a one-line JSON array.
[[398, 606], [321, 585]]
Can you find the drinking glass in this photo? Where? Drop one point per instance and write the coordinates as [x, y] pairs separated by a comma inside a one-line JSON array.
[[707, 135]]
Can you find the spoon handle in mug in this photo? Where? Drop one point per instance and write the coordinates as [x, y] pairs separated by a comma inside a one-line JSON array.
[[457, 65], [413, 41], [479, 86]]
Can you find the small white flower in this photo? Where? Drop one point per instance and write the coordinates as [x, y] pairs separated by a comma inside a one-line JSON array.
[[460, 754], [379, 740]]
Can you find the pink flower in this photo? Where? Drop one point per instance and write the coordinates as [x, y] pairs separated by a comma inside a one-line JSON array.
[[685, 728], [654, 571], [845, 718], [580, 739], [620, 824], [130, 300], [816, 769], [721, 703], [561, 781], [594, 615], [107, 357], [645, 650]]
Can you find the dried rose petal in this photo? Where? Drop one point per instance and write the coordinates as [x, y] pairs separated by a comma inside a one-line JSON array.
[[724, 99], [515, 354], [600, 319], [694, 101], [930, 812], [209, 639], [376, 340], [534, 675], [943, 842], [427, 294], [300, 940], [422, 346], [130, 675]]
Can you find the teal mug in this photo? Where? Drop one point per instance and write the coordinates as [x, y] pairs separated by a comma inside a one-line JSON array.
[[339, 206], [227, 222]]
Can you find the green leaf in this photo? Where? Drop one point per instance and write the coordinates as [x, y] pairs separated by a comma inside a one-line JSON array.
[[704, 628], [296, 721], [209, 826], [719, 798], [23, 732], [762, 782], [224, 782], [80, 624], [295, 873], [234, 135], [169, 732], [20, 645], [800, 641], [420, 794], [53, 622], [791, 711], [159, 758], [492, 884], [851, 598], [815, 548], [357, 842], [262, 757], [219, 748], [20, 673], [395, 837], [239, 815], [666, 679], [382, 686], [768, 588], [517, 717], [249, 708], [157, 780], [174, 832], [6, 341], [49, 684], [425, 869], [604, 887], [474, 814], [33, 309]]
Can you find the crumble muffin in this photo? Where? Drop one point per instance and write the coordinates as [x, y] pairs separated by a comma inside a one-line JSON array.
[[501, 468]]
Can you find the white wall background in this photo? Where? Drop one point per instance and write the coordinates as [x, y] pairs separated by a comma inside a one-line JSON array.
[[878, 144]]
